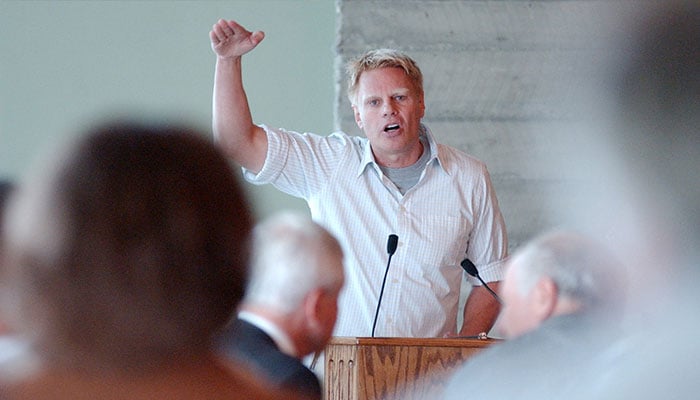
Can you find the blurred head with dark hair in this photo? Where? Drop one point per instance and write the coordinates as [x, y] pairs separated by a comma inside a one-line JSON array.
[[655, 93], [654, 97], [128, 250]]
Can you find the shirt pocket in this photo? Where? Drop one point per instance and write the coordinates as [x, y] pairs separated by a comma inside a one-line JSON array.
[[441, 240]]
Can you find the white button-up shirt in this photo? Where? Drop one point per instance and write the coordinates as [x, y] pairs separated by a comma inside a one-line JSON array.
[[450, 214]]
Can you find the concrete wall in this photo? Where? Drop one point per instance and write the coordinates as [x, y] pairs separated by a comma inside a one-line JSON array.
[[502, 82]]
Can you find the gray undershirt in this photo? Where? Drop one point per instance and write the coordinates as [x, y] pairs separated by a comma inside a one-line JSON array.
[[407, 177]]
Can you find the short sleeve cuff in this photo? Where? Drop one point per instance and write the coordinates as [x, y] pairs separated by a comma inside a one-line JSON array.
[[270, 170], [491, 272]]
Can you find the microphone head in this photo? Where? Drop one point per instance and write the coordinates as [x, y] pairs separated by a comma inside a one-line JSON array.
[[469, 266], [392, 243]]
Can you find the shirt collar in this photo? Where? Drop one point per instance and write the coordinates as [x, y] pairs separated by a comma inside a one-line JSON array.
[[368, 157]]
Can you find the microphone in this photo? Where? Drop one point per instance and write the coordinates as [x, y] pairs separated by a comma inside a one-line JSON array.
[[470, 268], [391, 244]]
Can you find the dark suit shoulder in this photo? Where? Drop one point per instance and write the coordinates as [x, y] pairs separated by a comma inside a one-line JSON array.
[[245, 342]]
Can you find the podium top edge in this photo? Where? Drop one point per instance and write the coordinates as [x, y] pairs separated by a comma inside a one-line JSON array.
[[404, 341]]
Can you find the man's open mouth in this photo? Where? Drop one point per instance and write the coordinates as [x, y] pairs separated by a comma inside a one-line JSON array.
[[391, 127]]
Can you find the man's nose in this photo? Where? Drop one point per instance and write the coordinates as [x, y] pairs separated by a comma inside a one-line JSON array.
[[389, 108]]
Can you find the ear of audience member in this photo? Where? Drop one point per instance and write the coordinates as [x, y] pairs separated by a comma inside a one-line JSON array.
[[290, 306], [125, 253]]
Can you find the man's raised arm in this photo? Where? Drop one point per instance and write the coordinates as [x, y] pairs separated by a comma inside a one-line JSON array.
[[232, 123]]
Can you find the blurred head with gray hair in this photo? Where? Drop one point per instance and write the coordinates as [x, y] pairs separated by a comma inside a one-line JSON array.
[[559, 273]]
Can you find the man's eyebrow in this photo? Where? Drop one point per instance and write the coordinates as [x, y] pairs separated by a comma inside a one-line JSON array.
[[394, 92]]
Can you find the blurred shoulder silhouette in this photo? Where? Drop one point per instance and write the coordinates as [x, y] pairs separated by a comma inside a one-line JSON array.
[[126, 252]]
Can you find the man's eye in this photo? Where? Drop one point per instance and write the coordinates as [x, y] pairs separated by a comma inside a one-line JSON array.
[[373, 102], [400, 97]]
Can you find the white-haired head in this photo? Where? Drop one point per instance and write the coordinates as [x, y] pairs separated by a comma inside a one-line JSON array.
[[292, 255]]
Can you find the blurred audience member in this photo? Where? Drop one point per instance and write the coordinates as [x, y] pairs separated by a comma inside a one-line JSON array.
[[559, 274], [291, 301], [124, 255], [649, 117], [560, 294], [654, 99]]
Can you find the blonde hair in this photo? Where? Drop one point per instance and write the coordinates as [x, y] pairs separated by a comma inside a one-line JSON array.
[[382, 58]]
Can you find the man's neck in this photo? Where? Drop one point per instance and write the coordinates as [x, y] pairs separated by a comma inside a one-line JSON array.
[[401, 160]]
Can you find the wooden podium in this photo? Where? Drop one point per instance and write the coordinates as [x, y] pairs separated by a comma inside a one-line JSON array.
[[362, 368]]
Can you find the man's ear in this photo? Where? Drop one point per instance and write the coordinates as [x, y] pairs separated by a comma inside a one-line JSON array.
[[421, 100], [545, 297], [358, 120], [312, 308]]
